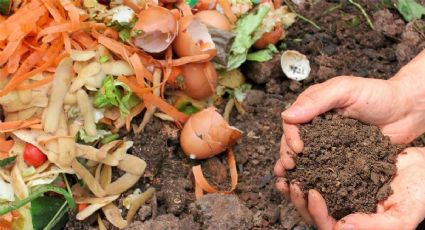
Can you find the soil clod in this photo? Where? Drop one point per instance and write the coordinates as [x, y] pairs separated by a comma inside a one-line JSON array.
[[350, 163]]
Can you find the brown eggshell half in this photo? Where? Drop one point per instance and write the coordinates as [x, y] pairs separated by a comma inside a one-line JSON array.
[[200, 79], [207, 134], [192, 145], [193, 38], [214, 19], [158, 28]]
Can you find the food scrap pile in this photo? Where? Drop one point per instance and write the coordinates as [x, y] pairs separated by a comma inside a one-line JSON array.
[[75, 73]]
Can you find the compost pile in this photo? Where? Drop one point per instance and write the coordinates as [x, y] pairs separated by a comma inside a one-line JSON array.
[[350, 163]]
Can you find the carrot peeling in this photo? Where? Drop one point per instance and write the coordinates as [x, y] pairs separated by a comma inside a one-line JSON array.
[[227, 10], [201, 183], [165, 107]]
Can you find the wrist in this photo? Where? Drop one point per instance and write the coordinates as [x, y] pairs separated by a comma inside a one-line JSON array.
[[410, 82]]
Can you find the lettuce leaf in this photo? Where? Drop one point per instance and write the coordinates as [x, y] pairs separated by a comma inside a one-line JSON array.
[[263, 55], [115, 93], [84, 137], [245, 29], [410, 9]]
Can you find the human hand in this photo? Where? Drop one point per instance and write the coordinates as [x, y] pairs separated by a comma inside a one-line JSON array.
[[404, 209], [396, 106]]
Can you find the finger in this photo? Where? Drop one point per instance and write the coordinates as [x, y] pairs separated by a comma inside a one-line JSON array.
[[334, 93], [282, 186], [286, 154], [293, 139], [279, 169], [297, 198], [319, 211], [361, 221]]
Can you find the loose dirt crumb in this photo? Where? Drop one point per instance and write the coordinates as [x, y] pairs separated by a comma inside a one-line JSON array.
[[351, 164]]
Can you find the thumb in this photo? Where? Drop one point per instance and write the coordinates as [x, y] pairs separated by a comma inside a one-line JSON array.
[[361, 221], [318, 99]]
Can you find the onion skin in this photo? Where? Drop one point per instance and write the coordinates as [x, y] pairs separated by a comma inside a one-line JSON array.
[[269, 38], [214, 19], [207, 134], [200, 79], [158, 25], [184, 45]]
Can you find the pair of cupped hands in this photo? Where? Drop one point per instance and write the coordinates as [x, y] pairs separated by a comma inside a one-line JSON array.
[[397, 107]]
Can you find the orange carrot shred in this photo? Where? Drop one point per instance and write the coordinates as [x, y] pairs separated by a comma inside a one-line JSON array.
[[115, 47], [135, 88], [165, 107], [111, 33], [8, 51], [14, 60], [189, 59], [134, 112], [227, 10], [140, 70], [67, 42], [201, 184], [6, 145], [132, 5], [11, 126], [53, 11]]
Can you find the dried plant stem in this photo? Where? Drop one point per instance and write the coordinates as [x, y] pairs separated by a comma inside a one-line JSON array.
[[363, 11], [302, 17], [228, 109]]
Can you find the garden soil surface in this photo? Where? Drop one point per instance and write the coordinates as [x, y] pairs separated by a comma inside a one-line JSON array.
[[344, 45]]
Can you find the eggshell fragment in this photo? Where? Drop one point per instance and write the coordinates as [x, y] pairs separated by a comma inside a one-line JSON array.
[[157, 27], [214, 19], [207, 134], [193, 38], [295, 65], [200, 80]]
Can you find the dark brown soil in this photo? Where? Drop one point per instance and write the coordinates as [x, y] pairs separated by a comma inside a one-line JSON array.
[[339, 48], [351, 164]]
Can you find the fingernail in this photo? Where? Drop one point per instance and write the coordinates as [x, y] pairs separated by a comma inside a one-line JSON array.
[[292, 112]]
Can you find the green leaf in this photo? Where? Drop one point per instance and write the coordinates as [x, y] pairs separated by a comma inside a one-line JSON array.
[[103, 59], [109, 138], [43, 211], [5, 6], [124, 34], [84, 137], [263, 55], [191, 3], [189, 109], [245, 29], [410, 9], [115, 94], [241, 92], [5, 162], [38, 192]]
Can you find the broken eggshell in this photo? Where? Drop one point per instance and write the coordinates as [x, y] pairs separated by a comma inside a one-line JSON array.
[[207, 134], [157, 28], [214, 19], [193, 38], [295, 65], [200, 79]]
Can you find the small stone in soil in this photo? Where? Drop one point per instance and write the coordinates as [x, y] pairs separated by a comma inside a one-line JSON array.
[[351, 164], [217, 211]]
